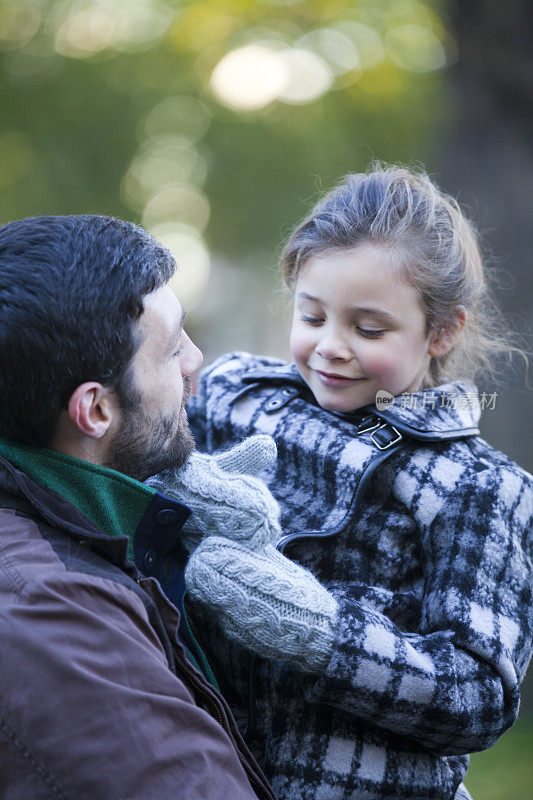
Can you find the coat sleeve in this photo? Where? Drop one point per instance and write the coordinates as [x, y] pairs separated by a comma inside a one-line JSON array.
[[90, 708], [453, 686]]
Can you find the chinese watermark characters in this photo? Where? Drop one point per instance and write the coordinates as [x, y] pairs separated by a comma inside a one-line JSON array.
[[434, 400]]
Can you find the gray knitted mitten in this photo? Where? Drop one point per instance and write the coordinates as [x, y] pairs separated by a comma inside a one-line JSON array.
[[265, 602], [224, 500]]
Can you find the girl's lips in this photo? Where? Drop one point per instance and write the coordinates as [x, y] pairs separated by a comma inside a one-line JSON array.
[[330, 379]]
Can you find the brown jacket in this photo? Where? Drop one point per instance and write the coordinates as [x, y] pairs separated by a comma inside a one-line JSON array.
[[97, 697]]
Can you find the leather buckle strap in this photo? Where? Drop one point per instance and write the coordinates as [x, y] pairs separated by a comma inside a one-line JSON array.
[[280, 399], [367, 424], [386, 436]]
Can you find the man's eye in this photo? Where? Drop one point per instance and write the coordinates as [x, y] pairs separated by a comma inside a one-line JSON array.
[[371, 334], [312, 320]]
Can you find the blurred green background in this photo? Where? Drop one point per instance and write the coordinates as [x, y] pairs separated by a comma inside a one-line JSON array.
[[216, 124]]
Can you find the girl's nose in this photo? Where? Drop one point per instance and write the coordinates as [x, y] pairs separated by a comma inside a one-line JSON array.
[[332, 347]]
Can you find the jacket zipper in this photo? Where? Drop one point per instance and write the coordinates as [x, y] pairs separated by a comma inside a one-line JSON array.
[[214, 707], [194, 630]]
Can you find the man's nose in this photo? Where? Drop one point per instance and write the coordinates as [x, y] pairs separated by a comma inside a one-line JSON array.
[[192, 358], [197, 358]]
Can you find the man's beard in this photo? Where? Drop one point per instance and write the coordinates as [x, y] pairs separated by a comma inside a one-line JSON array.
[[144, 445]]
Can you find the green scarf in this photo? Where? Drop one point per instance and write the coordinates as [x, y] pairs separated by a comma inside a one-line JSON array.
[[114, 502]]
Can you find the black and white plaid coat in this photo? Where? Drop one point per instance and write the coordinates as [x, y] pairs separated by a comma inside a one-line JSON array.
[[425, 541]]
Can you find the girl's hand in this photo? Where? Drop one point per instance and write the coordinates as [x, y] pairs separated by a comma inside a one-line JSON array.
[[265, 602], [224, 495]]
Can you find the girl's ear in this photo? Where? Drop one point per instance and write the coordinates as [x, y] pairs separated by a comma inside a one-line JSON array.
[[443, 340]]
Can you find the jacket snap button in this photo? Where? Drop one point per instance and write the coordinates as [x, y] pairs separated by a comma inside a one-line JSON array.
[[167, 516], [149, 559]]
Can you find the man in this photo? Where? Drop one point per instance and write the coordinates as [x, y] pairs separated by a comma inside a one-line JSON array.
[[99, 696]]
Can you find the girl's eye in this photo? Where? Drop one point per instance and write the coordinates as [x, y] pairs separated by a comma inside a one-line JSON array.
[[370, 334], [312, 320], [177, 352]]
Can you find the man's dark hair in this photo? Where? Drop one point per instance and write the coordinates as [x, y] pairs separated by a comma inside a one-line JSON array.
[[71, 293]]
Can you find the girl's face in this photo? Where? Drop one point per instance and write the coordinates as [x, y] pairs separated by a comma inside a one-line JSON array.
[[357, 328]]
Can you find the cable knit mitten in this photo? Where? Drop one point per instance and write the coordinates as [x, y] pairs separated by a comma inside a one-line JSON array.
[[224, 500], [265, 602], [249, 457]]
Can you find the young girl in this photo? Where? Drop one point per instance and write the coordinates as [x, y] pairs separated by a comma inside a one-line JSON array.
[[414, 524]]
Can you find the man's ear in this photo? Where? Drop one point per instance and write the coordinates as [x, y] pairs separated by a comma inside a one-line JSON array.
[[444, 339], [91, 408]]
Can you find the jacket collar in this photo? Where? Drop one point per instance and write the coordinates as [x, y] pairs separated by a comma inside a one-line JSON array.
[[107, 504], [447, 411]]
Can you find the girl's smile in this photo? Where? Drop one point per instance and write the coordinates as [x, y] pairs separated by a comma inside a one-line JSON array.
[[332, 379]]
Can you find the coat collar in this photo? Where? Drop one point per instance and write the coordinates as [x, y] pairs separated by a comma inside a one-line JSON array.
[[84, 499], [448, 411]]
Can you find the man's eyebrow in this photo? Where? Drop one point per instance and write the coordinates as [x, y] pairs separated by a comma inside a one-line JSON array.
[[378, 312]]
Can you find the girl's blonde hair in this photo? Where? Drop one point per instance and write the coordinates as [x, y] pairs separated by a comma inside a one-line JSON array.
[[437, 247]]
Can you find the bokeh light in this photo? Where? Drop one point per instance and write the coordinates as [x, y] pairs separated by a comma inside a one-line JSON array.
[[19, 22], [415, 48], [162, 162], [366, 40], [183, 203], [337, 49], [88, 27], [183, 115], [254, 76], [308, 76], [250, 77], [192, 257]]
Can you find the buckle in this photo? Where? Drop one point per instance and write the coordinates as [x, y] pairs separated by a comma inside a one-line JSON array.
[[367, 424], [384, 444]]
